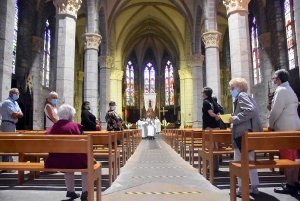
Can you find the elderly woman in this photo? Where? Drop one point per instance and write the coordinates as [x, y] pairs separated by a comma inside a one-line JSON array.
[[245, 118], [68, 161], [284, 117], [50, 110]]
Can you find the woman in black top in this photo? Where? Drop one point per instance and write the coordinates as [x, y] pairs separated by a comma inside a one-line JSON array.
[[88, 120]]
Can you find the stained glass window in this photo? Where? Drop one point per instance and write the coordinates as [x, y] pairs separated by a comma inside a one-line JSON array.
[[129, 84], [289, 25], [169, 84], [46, 56], [149, 79], [14, 53], [255, 53]]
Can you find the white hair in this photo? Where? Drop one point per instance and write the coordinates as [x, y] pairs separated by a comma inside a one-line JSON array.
[[52, 93], [66, 111]]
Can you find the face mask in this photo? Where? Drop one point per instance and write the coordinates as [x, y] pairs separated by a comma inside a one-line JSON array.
[[275, 85], [54, 101], [114, 107], [15, 97], [234, 93]]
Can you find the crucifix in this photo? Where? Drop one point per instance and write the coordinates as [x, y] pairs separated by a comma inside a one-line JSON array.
[[163, 111]]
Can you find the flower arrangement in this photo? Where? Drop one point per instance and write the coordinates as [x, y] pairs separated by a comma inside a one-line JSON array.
[[128, 125], [165, 124]]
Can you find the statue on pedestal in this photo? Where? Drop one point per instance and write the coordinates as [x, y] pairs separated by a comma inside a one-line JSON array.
[[150, 112]]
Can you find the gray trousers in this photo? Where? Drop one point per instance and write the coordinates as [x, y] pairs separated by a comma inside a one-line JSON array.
[[7, 127]]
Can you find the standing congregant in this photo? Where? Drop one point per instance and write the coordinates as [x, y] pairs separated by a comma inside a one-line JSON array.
[[11, 112]]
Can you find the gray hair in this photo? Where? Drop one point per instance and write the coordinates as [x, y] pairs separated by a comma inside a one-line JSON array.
[[12, 90], [282, 74], [66, 111], [52, 93]]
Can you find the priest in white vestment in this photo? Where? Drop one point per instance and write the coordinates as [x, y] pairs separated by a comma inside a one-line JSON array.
[[151, 129], [144, 129], [157, 125]]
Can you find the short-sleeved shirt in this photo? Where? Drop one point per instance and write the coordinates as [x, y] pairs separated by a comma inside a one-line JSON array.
[[208, 121], [112, 119], [10, 106]]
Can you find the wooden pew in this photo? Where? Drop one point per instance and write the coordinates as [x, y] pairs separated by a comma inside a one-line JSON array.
[[196, 142], [105, 139], [53, 144], [209, 150], [261, 141]]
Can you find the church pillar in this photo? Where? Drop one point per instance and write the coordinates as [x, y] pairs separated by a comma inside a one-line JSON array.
[[197, 63], [7, 13], [240, 53], [66, 15], [189, 102], [116, 77], [105, 65], [297, 27], [33, 82], [186, 96], [211, 41], [91, 46], [182, 98]]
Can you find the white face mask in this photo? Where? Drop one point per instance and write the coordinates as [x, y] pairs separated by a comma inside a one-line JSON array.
[[114, 107]]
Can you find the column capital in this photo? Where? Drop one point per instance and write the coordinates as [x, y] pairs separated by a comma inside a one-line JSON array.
[[265, 40], [233, 6], [211, 39], [80, 75], [91, 41], [67, 7], [197, 60], [185, 73], [105, 61], [36, 44], [116, 75]]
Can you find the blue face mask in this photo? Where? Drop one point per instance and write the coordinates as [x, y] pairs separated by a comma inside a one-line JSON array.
[[234, 93], [54, 101], [15, 97], [275, 85]]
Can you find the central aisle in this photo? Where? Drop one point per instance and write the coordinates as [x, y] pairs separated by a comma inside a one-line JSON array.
[[157, 172]]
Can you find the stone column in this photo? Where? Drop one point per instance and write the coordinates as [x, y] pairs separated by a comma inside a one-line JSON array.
[[66, 15], [197, 63], [116, 77], [188, 93], [240, 52], [266, 67], [91, 46], [297, 27], [182, 97], [186, 96], [105, 66], [33, 82], [211, 41], [7, 10]]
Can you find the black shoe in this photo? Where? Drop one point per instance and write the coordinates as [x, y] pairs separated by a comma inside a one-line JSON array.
[[72, 195], [286, 189], [84, 195]]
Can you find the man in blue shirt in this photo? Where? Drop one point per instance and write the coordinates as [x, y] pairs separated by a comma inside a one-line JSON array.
[[11, 112]]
